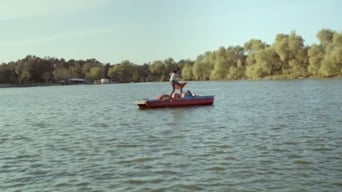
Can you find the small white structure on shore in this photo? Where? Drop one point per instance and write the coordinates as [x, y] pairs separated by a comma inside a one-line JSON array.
[[104, 81]]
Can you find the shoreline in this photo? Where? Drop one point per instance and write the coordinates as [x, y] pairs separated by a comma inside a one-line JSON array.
[[8, 85]]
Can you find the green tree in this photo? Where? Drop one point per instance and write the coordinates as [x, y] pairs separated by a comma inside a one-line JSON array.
[[268, 62], [46, 76], [144, 73], [316, 55], [7, 73], [287, 57], [61, 73], [221, 65], [95, 73], [332, 60], [253, 46], [325, 37], [158, 69], [236, 60], [123, 72], [187, 72], [256, 56], [237, 72], [23, 72], [292, 53], [202, 67], [88, 64], [332, 63]]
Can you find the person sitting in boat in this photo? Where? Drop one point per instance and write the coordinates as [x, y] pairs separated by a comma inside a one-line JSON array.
[[174, 81]]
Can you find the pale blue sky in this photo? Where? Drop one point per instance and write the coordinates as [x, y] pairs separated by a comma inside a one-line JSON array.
[[147, 30]]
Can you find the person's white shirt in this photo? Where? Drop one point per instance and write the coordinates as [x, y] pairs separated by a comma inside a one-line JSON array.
[[173, 76]]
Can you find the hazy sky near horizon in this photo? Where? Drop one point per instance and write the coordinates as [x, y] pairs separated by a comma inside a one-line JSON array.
[[143, 31]]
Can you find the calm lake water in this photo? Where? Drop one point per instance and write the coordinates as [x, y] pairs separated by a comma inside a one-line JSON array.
[[258, 136]]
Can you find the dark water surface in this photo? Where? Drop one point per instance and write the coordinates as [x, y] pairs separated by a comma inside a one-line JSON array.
[[258, 136]]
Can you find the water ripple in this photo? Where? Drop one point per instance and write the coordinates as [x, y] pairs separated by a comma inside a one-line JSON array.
[[259, 136]]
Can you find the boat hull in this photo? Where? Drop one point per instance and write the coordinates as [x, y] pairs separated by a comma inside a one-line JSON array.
[[177, 102]]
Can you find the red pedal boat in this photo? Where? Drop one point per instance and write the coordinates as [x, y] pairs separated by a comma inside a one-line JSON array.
[[177, 100]]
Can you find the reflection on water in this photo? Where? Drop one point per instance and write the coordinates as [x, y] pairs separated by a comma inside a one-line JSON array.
[[258, 136]]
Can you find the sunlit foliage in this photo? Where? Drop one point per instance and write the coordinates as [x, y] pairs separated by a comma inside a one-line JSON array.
[[286, 58]]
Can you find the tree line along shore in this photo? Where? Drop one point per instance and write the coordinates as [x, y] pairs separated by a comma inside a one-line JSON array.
[[286, 58]]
